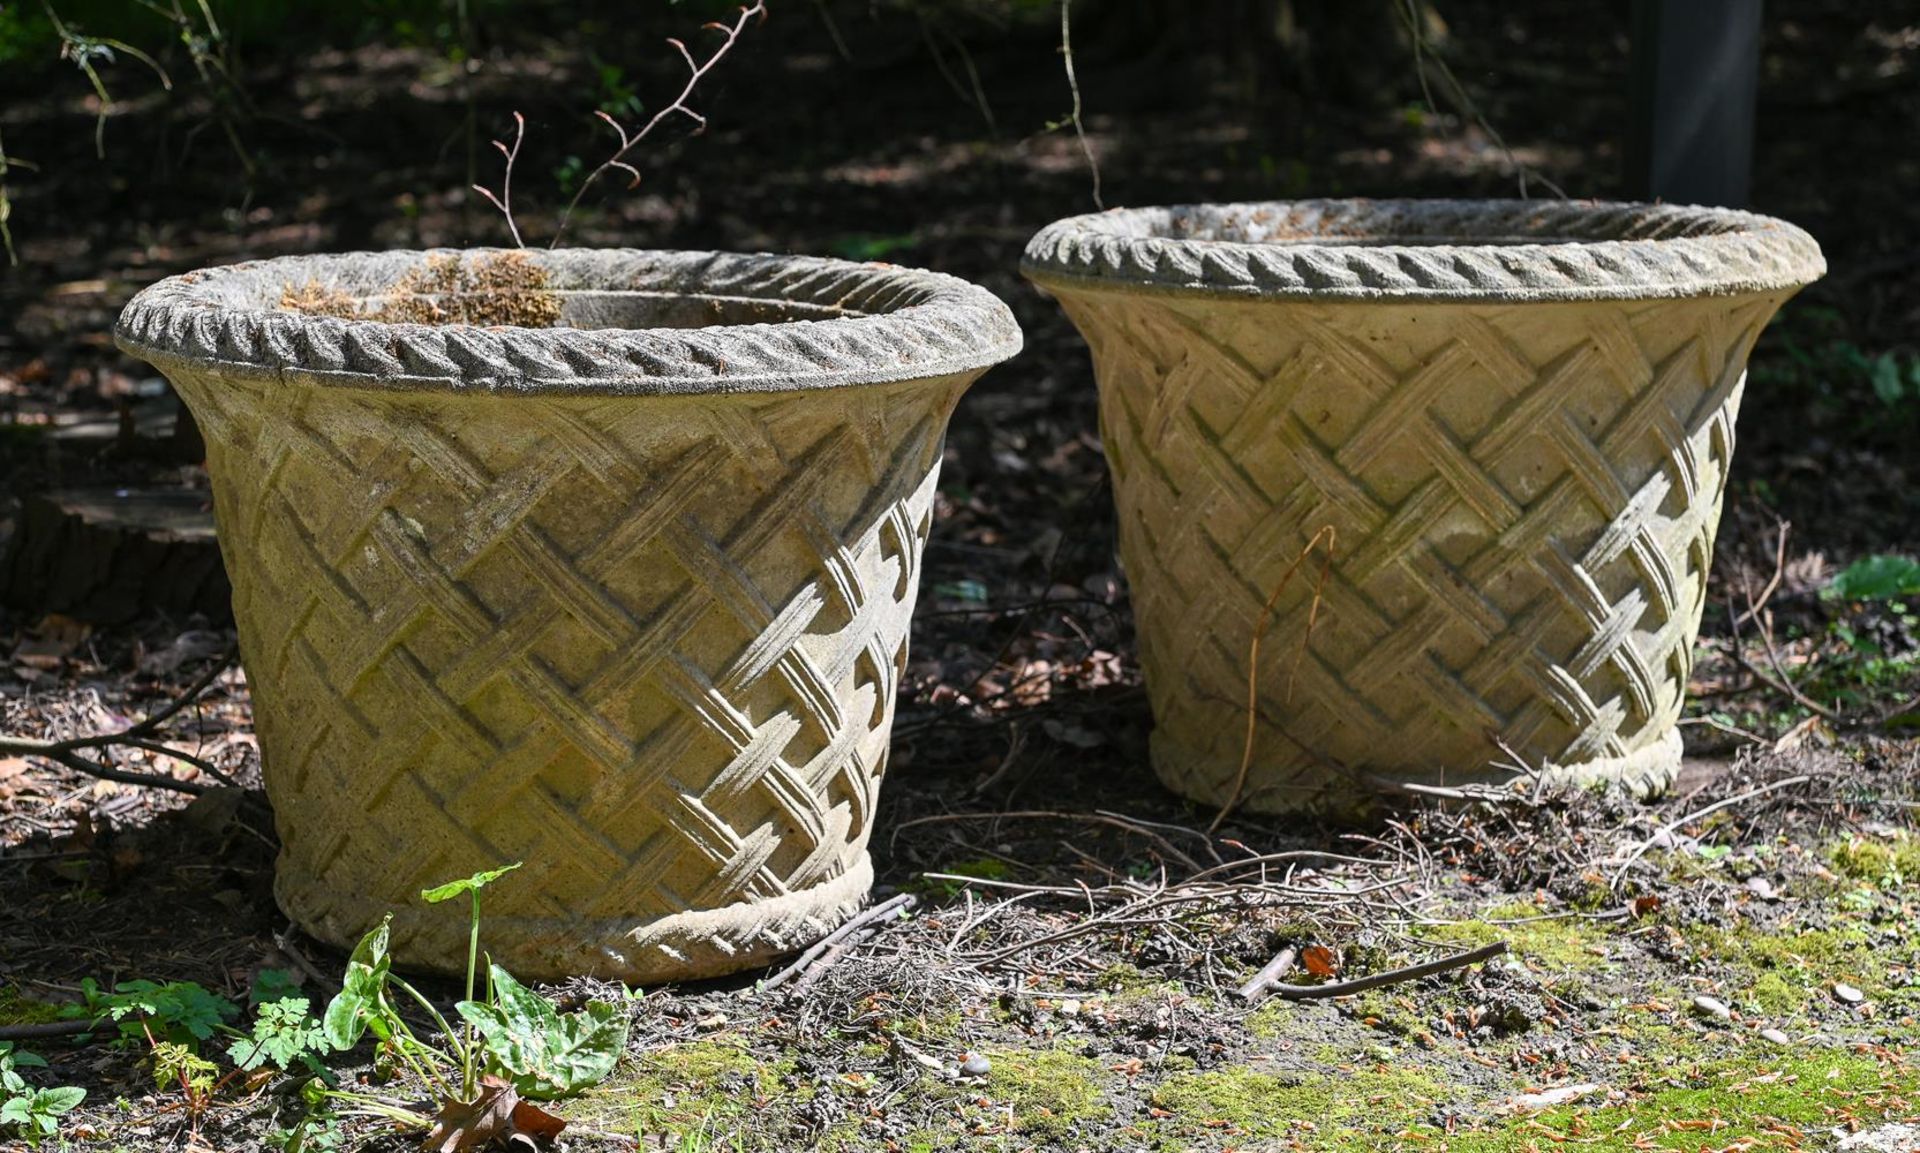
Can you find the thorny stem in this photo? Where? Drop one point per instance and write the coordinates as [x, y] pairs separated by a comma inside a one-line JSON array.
[[976, 95], [1073, 85], [504, 201], [630, 141]]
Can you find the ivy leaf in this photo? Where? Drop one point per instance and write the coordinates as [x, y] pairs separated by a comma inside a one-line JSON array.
[[547, 1055], [357, 1007], [453, 889]]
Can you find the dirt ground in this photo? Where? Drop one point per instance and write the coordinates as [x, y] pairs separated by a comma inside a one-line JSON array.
[[1680, 973]]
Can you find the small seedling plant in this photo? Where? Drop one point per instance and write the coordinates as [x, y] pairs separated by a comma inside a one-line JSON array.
[[175, 1021], [513, 1046], [31, 1114]]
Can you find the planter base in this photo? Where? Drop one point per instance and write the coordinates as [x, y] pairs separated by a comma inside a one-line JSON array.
[[1210, 780], [699, 943]]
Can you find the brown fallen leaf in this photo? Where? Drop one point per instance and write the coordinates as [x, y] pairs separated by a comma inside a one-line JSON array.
[[466, 1126], [536, 1122], [1319, 960], [53, 640]]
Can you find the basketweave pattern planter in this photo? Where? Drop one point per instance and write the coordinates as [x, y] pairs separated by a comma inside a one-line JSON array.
[[630, 606], [1515, 419]]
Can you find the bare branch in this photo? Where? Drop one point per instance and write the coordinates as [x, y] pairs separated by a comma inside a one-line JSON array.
[[139, 735], [697, 71], [504, 201], [1390, 977], [1073, 84]]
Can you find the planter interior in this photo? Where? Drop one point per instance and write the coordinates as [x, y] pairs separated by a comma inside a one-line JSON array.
[[625, 598], [1512, 420]]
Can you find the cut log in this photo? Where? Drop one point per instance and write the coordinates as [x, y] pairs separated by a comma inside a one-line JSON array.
[[110, 555]]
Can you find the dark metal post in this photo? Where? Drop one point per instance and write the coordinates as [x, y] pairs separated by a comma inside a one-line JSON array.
[[1696, 71]]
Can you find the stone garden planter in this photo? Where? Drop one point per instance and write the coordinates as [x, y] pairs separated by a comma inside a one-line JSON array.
[[626, 599], [1516, 418]]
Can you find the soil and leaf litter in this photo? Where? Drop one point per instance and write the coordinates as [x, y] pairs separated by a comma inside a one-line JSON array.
[[1063, 956], [1733, 964]]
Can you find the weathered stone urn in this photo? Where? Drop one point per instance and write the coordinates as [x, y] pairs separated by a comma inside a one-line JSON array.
[[1511, 420], [624, 598]]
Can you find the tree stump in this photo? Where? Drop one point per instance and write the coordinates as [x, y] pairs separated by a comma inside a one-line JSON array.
[[108, 555]]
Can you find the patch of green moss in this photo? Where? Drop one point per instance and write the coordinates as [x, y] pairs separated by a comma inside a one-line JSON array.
[[1351, 1109], [1891, 864], [1566, 944], [1051, 1091], [1122, 977], [1386, 1010], [18, 1010], [1775, 996], [1713, 1105], [681, 1091], [1798, 961]]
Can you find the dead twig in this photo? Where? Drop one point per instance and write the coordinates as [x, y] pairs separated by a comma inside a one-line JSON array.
[[37, 1030], [1779, 571], [1783, 685], [1100, 818], [1073, 117], [884, 911], [139, 735], [1461, 99], [1253, 657], [1390, 977], [504, 201], [697, 71], [1670, 827], [1257, 986]]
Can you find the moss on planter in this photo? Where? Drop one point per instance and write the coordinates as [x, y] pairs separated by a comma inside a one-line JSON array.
[[504, 288], [316, 299]]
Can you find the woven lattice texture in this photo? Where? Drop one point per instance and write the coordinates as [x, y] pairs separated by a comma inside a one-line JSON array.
[[1430, 250], [628, 605], [650, 649], [1524, 500]]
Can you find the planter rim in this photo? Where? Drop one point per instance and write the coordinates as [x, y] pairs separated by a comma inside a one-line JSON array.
[[877, 323], [1502, 251]]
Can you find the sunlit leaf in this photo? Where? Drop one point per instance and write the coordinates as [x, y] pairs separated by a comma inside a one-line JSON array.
[[454, 889]]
